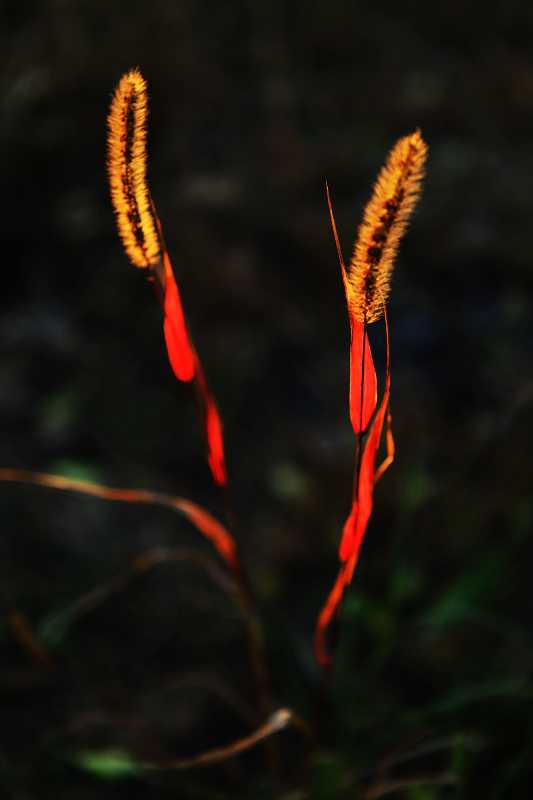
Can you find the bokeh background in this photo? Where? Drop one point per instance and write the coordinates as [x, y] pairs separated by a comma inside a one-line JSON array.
[[253, 104]]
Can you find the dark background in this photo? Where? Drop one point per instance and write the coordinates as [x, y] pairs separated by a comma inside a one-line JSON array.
[[252, 105]]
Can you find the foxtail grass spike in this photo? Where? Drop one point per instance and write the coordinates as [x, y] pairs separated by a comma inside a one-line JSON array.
[[366, 284], [126, 164], [393, 200], [142, 236]]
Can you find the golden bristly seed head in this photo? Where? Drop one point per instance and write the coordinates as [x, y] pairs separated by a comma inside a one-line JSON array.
[[393, 200], [126, 164]]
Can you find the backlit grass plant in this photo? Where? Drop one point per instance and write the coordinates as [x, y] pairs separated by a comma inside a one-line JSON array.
[[366, 281]]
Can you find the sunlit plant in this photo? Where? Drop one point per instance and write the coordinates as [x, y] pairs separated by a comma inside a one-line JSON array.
[[366, 283]]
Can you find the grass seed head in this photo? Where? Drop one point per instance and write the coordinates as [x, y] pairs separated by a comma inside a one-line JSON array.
[[393, 200], [126, 164]]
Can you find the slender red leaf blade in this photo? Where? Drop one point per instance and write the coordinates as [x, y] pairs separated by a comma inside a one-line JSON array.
[[179, 347], [212, 428], [363, 378], [326, 615], [215, 443], [356, 524]]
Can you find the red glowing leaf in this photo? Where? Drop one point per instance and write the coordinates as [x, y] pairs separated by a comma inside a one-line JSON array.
[[186, 366], [215, 443], [180, 350], [212, 429], [355, 526], [366, 476], [363, 378], [326, 615]]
